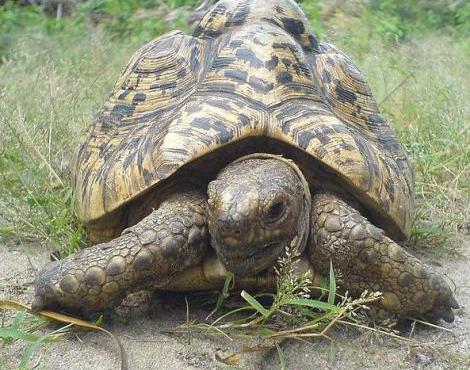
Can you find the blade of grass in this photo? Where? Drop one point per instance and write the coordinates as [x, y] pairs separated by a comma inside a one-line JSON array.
[[40, 340], [332, 292], [16, 334], [280, 354], [12, 305], [332, 352], [313, 303], [222, 295], [255, 304]]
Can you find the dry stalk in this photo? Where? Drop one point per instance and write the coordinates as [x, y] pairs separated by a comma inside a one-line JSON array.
[[25, 139]]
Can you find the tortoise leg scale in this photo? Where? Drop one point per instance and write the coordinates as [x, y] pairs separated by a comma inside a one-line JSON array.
[[369, 260], [165, 242]]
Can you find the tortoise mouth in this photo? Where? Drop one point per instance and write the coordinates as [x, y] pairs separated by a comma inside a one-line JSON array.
[[250, 260]]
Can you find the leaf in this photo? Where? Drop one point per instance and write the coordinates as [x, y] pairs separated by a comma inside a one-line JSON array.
[[15, 334], [332, 292], [19, 318], [255, 304], [223, 294], [49, 337], [265, 331], [280, 354], [332, 352], [231, 360], [313, 303], [12, 305]]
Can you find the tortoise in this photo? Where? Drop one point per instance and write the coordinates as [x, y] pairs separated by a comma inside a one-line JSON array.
[[219, 151]]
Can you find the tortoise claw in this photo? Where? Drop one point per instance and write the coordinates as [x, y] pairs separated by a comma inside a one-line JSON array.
[[38, 303], [453, 303], [440, 312], [447, 315], [443, 306]]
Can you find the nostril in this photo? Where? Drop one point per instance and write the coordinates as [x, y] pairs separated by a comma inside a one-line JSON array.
[[230, 227]]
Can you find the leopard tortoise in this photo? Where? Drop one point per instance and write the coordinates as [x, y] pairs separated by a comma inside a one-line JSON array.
[[217, 151]]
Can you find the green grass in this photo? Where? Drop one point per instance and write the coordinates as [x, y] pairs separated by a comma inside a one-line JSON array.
[[51, 88], [54, 80], [266, 320], [52, 85], [430, 114], [30, 330]]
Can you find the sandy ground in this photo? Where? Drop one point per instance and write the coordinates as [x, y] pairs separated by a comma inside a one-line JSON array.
[[144, 334]]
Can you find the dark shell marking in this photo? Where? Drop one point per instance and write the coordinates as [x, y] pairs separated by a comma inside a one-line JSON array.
[[252, 68]]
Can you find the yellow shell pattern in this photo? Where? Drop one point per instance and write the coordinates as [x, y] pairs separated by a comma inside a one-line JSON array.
[[251, 69]]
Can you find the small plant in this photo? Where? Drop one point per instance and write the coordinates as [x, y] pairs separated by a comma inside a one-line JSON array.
[[29, 328], [291, 312]]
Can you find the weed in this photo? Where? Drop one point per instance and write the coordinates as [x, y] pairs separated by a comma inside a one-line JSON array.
[[431, 118], [41, 117], [27, 323], [291, 313], [25, 327]]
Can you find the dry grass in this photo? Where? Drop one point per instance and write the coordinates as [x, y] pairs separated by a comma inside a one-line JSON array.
[[50, 90], [429, 112], [52, 87]]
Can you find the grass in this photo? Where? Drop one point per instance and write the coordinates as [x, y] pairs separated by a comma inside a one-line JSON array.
[[25, 327], [53, 85], [50, 90], [430, 115], [265, 321], [54, 82], [32, 328]]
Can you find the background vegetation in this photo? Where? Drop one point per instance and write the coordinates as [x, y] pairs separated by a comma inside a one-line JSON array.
[[58, 63]]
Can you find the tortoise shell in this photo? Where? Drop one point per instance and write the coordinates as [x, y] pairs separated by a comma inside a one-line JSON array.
[[252, 78]]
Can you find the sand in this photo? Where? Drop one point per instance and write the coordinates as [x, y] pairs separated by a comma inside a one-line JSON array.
[[143, 331]]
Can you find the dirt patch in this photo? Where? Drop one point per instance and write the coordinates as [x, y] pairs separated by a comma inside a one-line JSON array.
[[144, 333]]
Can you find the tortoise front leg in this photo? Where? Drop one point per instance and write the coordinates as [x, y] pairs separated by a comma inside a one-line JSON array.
[[369, 260], [167, 241]]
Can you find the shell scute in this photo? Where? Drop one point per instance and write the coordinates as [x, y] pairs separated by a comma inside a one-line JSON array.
[[251, 69]]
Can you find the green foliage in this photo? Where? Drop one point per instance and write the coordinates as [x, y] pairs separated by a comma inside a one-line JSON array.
[[268, 319], [312, 9], [25, 327], [409, 14], [60, 71], [142, 20], [138, 20], [50, 89], [15, 19], [430, 115]]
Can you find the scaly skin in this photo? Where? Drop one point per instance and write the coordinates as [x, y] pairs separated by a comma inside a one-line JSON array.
[[257, 207], [369, 260], [253, 216], [168, 240]]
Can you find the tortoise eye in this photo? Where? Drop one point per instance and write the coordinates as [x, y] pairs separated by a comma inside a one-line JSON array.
[[276, 211]]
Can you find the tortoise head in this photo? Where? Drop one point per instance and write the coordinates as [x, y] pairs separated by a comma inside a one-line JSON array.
[[258, 207]]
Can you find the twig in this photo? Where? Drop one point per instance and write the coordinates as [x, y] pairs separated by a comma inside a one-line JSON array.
[[23, 136], [396, 88], [331, 323], [187, 320], [378, 331], [37, 362], [431, 325]]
